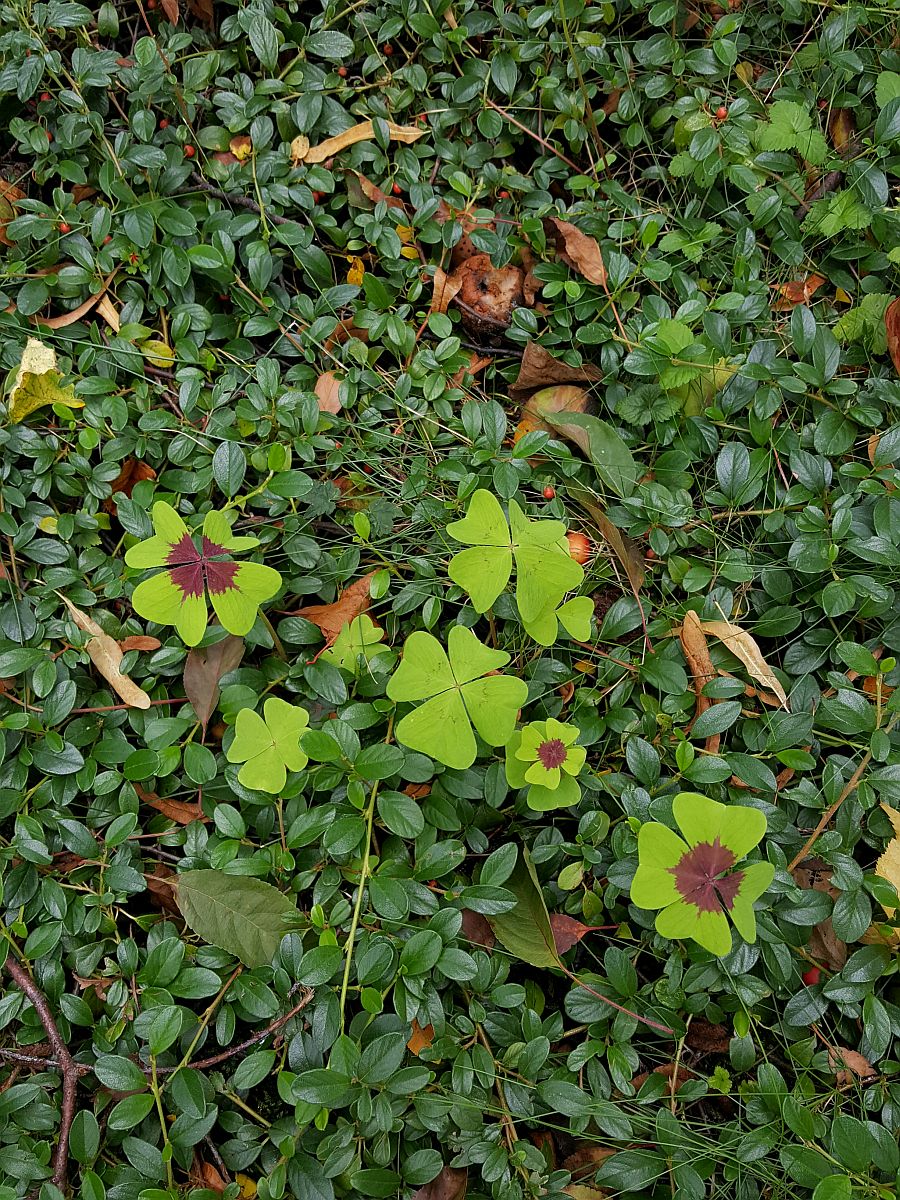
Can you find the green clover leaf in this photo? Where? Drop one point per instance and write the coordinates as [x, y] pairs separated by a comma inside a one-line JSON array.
[[545, 570], [696, 880], [177, 595], [544, 755], [269, 747], [359, 639], [455, 696]]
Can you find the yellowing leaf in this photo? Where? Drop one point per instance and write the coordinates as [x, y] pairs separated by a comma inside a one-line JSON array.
[[841, 296], [158, 353], [106, 655], [241, 147], [37, 383], [421, 1037], [301, 151], [248, 1186], [405, 233], [357, 271], [742, 646], [744, 72]]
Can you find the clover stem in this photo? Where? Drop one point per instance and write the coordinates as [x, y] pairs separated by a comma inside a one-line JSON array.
[[363, 876], [276, 640], [167, 1146]]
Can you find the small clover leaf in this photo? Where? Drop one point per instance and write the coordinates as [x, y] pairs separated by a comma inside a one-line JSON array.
[[177, 595], [456, 695], [269, 747], [544, 755], [574, 616], [358, 639], [696, 881], [545, 571]]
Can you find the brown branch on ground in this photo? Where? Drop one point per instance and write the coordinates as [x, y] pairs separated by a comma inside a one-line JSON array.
[[236, 199], [64, 1063]]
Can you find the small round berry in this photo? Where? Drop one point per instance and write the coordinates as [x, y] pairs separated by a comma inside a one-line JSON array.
[[579, 547], [107, 239], [45, 96], [397, 189], [367, 470], [151, 4], [189, 151], [549, 492], [338, 445], [504, 195], [164, 123], [721, 112], [49, 135], [342, 71], [387, 49], [317, 197], [64, 227], [811, 977]]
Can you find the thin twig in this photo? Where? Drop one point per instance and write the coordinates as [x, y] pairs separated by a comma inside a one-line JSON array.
[[66, 1066], [236, 199], [542, 141]]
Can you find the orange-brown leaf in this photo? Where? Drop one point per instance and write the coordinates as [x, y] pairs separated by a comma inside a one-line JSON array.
[[842, 127], [847, 1063], [450, 1184], [824, 944], [892, 326], [178, 811], [420, 1038], [170, 8], [328, 392], [445, 289], [567, 931], [540, 369], [139, 642], [331, 618], [9, 194], [798, 291], [580, 251]]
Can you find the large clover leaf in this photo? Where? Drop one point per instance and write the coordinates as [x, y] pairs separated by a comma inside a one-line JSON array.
[[269, 747], [456, 696], [544, 569]]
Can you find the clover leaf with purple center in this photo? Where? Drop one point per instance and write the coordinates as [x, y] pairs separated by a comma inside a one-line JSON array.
[[177, 595], [699, 881], [544, 755]]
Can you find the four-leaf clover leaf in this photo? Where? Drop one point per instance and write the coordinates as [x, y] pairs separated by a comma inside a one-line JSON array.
[[269, 747], [696, 881], [455, 695], [544, 755], [177, 595]]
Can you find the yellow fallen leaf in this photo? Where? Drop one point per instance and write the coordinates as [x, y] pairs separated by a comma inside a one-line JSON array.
[[158, 353], [106, 655], [841, 297], [357, 271], [302, 152], [110, 314], [744, 72], [241, 147], [888, 865], [37, 383], [248, 1186], [742, 646]]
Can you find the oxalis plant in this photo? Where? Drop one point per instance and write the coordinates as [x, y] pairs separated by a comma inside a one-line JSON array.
[[269, 746], [544, 756], [699, 880]]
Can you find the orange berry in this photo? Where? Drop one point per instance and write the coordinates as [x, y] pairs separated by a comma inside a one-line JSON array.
[[397, 189], [64, 227], [387, 48], [45, 96], [164, 123], [721, 112], [579, 547], [151, 4], [317, 196], [49, 135], [342, 71], [107, 239], [549, 492], [504, 195], [189, 152]]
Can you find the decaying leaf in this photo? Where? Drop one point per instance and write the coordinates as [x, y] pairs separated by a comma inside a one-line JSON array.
[[139, 641], [449, 1184], [487, 296], [469, 224], [373, 193], [420, 1038], [700, 665], [475, 928], [9, 194], [580, 251], [170, 8], [563, 397], [303, 152], [241, 147], [203, 670], [540, 369], [850, 1064], [106, 654], [892, 327], [110, 314], [742, 646], [567, 931], [37, 383], [132, 473], [824, 944], [178, 811], [331, 618], [158, 353], [798, 291], [445, 289], [677, 1076], [328, 392], [586, 1158], [625, 550], [842, 130], [707, 1038]]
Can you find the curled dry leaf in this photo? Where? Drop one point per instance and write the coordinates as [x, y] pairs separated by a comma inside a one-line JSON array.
[[303, 152], [372, 192], [328, 392], [170, 8], [449, 1184], [579, 250], [842, 130], [700, 665], [740, 643], [445, 289], [420, 1038], [540, 369], [331, 618], [69, 318], [798, 291], [132, 473], [204, 668], [824, 944], [106, 655], [848, 1064], [9, 194], [564, 397], [178, 811], [110, 314], [476, 364], [677, 1076], [139, 642], [38, 382], [487, 296], [625, 550], [892, 328]]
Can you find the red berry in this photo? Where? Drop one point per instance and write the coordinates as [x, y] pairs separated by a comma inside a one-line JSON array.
[[107, 239], [151, 4], [49, 135], [397, 189], [367, 470], [811, 977], [387, 48], [317, 196], [504, 195], [45, 96], [64, 227], [549, 492], [721, 112], [579, 547], [189, 152], [342, 71], [164, 123]]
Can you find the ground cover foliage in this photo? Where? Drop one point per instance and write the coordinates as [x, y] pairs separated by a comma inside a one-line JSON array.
[[449, 541]]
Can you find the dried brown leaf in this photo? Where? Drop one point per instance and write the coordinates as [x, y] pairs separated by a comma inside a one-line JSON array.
[[586, 1158], [625, 550], [375, 194], [563, 397], [420, 1038], [677, 1076], [707, 1038], [202, 10], [798, 291], [170, 8], [178, 811], [445, 289], [567, 931], [106, 655], [110, 314], [700, 665], [328, 392], [580, 251], [302, 152], [331, 618], [476, 364], [742, 645], [202, 671], [476, 929], [847, 1063], [9, 194], [842, 130], [76, 314], [892, 327], [540, 369], [132, 473], [241, 146], [449, 1184], [139, 642], [824, 944]]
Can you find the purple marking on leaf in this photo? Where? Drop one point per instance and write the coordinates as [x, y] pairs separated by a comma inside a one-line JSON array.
[[697, 877], [183, 551], [189, 578], [220, 577], [552, 753], [212, 549]]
